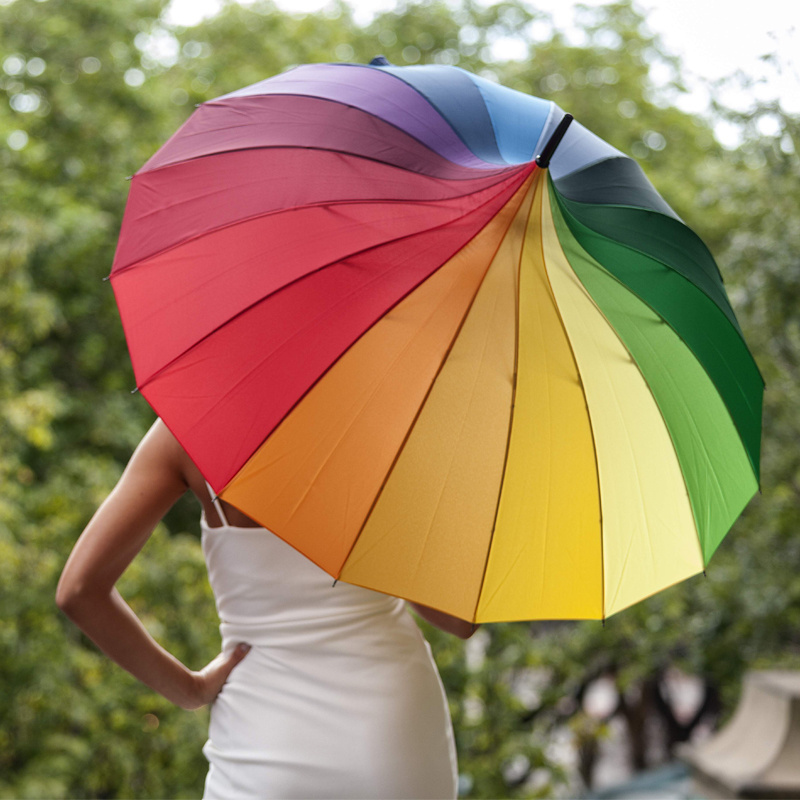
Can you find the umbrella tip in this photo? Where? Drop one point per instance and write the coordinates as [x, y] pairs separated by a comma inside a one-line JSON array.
[[543, 160], [380, 61]]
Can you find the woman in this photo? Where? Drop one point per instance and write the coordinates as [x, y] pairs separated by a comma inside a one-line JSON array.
[[320, 690]]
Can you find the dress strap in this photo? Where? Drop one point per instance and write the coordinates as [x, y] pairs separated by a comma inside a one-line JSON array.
[[217, 505]]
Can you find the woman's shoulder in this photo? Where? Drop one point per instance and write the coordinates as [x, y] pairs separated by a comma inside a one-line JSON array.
[[159, 441], [159, 446]]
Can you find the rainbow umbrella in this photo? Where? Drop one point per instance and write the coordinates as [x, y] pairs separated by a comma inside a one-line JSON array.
[[436, 365]]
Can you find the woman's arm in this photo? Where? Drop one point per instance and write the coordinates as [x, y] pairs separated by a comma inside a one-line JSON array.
[[445, 622], [152, 482]]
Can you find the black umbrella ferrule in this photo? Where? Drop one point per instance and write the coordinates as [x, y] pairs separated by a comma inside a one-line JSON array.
[[543, 160], [380, 61]]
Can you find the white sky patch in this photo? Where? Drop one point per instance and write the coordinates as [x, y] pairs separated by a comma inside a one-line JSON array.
[[508, 48], [191, 12], [160, 46], [714, 40]]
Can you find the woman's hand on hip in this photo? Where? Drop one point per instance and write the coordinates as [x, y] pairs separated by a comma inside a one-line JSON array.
[[208, 681]]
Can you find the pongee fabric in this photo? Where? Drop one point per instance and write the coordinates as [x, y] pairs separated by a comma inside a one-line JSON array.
[[339, 695], [439, 370]]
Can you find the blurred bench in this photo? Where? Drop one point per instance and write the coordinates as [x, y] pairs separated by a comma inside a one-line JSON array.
[[757, 754]]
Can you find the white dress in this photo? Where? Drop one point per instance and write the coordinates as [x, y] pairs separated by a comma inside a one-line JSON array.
[[339, 696]]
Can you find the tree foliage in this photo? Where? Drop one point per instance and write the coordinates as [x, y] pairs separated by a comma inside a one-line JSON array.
[[90, 90]]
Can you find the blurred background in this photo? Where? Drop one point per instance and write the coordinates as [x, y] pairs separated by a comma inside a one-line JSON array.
[[88, 91]]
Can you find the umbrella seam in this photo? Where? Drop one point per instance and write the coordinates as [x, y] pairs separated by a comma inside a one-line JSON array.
[[622, 156], [329, 205], [321, 204], [666, 266], [158, 372], [655, 403], [494, 169], [439, 179], [663, 263], [513, 407], [647, 384], [439, 111], [683, 340], [427, 394], [490, 165], [589, 420]]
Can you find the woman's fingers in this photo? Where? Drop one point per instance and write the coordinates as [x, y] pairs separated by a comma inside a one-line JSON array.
[[212, 678], [227, 663], [238, 653]]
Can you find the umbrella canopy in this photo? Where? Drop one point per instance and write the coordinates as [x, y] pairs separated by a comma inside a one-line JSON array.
[[383, 331]]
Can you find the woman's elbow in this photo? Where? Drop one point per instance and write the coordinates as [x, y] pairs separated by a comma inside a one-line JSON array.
[[66, 598], [71, 596], [465, 631], [446, 622]]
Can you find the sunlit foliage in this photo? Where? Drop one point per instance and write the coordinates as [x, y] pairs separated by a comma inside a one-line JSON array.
[[88, 91]]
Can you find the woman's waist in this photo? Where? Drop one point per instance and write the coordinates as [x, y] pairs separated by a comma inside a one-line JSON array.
[[301, 626]]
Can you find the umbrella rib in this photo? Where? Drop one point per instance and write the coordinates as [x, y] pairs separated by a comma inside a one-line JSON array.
[[677, 333], [649, 388], [494, 169], [509, 174], [597, 466], [319, 269], [668, 267], [659, 260], [490, 165], [411, 427], [589, 420], [510, 418], [510, 425], [500, 174]]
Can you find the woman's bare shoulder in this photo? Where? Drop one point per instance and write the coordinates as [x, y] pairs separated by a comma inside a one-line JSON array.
[[163, 446], [161, 437], [160, 447], [159, 443]]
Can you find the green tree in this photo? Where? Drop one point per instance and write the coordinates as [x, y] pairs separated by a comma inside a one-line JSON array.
[[745, 614], [90, 91]]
